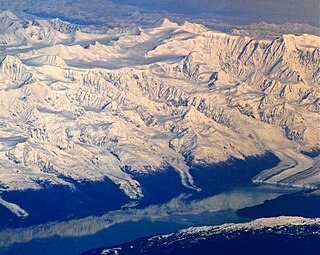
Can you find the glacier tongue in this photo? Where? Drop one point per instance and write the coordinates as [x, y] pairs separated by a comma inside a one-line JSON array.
[[86, 105]]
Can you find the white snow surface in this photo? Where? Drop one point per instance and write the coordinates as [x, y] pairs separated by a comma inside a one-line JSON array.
[[87, 105], [261, 223]]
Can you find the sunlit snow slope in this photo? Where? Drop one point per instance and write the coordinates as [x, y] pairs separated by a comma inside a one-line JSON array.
[[85, 103]]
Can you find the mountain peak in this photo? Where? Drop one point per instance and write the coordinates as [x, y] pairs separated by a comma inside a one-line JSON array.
[[165, 23], [194, 27], [8, 19], [8, 59], [304, 40], [8, 14], [13, 72], [194, 116], [52, 60]]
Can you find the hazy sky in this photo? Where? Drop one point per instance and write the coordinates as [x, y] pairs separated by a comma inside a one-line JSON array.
[[230, 11], [302, 11]]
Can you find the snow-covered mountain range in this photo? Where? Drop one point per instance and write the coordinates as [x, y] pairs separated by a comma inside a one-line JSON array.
[[84, 103]]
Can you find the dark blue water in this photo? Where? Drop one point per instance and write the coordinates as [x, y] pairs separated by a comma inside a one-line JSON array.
[[76, 236], [122, 232], [160, 187], [86, 199], [96, 198], [152, 215], [232, 173], [303, 203], [293, 240], [61, 203]]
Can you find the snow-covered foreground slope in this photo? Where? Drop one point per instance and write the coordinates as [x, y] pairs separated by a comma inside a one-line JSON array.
[[85, 103], [280, 235]]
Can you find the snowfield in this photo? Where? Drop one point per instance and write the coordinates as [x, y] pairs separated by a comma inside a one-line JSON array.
[[85, 103]]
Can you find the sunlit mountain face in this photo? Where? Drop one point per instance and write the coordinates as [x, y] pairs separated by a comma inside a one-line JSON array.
[[120, 121]]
